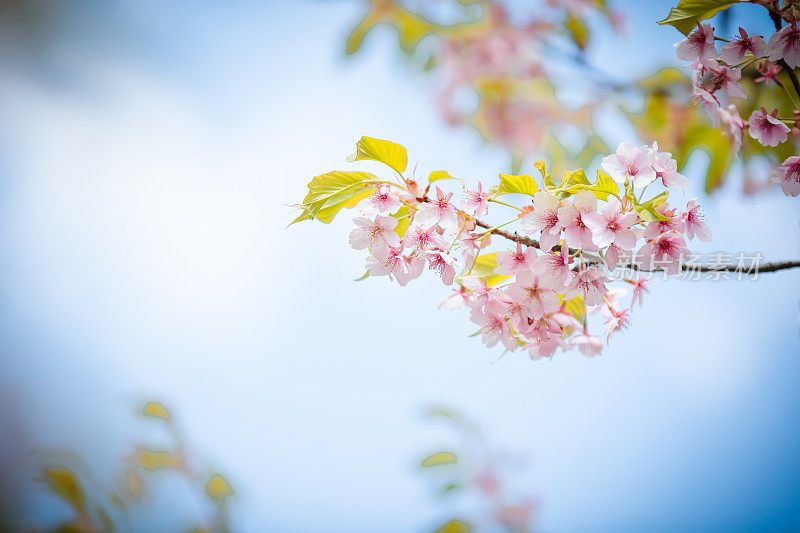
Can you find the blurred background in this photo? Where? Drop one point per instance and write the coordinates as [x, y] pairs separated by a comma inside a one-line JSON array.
[[149, 153]]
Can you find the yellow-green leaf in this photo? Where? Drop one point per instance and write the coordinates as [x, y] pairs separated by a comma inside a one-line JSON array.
[[685, 16], [64, 483], [329, 193], [647, 210], [403, 220], [440, 458], [155, 410], [541, 167], [387, 152], [601, 188], [437, 175], [218, 488], [509, 184]]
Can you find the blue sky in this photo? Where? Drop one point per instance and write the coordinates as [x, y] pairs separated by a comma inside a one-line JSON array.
[[147, 159]]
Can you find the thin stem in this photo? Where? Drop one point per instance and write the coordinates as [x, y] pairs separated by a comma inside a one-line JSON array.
[[505, 204]]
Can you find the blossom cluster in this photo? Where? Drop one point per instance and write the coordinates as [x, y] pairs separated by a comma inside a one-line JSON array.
[[537, 294], [716, 78]]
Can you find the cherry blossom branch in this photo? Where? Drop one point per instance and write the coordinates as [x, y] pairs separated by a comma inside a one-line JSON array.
[[764, 268]]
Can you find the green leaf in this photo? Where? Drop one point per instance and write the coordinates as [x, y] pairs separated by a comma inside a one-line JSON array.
[[601, 188], [574, 181], [451, 487], [647, 210], [330, 193], [403, 221], [509, 184], [387, 152], [363, 276], [439, 458], [542, 168], [685, 16]]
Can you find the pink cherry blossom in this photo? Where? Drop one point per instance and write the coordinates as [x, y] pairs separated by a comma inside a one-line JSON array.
[[733, 52], [767, 128], [698, 45], [769, 74], [612, 226], [442, 262], [630, 161], [733, 126], [667, 252], [420, 238], [706, 101], [383, 202], [588, 345], [438, 212], [570, 216], [667, 169], [617, 321], [589, 282], [694, 222], [674, 222], [392, 264], [544, 218], [546, 338], [476, 203], [785, 44], [535, 293], [615, 256], [639, 289], [377, 235], [513, 263], [554, 267], [726, 78], [478, 289], [788, 176], [458, 298], [494, 326]]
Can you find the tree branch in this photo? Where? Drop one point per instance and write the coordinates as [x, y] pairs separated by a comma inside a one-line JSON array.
[[764, 268]]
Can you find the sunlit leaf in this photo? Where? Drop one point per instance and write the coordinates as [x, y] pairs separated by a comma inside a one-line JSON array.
[[685, 16], [647, 210], [155, 410], [403, 220], [509, 184], [601, 188], [63, 482], [218, 488], [329, 193], [439, 458], [363, 276], [387, 152]]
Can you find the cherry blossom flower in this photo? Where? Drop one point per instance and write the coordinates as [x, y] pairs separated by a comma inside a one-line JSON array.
[[769, 74], [639, 289], [513, 263], [788, 176], [458, 298], [666, 251], [733, 126], [674, 222], [630, 161], [377, 235], [494, 327], [383, 202], [476, 203], [442, 262], [420, 238], [617, 321], [726, 78], [612, 226], [546, 338], [469, 243], [667, 169], [706, 101], [694, 222], [544, 218], [554, 267], [614, 255], [785, 44], [588, 345], [570, 216], [438, 212], [589, 282], [698, 45], [733, 52], [479, 290], [767, 128], [391, 264], [535, 293]]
